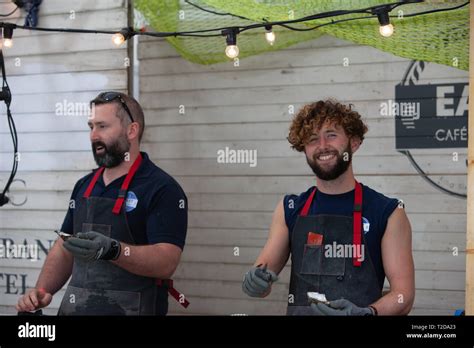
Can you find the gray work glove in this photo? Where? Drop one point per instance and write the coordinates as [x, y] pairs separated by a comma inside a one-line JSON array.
[[258, 281], [340, 307], [93, 246]]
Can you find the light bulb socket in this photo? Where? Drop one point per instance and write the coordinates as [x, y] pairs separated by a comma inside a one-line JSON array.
[[8, 30], [231, 35], [127, 32], [383, 18]]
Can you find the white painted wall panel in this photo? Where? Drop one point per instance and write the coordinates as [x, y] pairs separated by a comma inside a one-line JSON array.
[[44, 70], [247, 107]]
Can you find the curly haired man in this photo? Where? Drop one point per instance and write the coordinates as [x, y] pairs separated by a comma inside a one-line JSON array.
[[344, 238]]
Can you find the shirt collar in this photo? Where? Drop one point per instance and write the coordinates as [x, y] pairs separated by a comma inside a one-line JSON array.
[[144, 169]]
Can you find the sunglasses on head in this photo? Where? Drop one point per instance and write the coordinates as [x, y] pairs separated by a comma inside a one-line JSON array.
[[111, 96]]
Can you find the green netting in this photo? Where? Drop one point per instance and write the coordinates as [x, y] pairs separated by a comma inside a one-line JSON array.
[[440, 37]]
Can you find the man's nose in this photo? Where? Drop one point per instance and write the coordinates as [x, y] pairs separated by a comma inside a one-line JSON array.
[[322, 143], [93, 135]]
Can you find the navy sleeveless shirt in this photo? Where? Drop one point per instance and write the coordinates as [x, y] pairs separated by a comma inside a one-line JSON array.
[[376, 209]]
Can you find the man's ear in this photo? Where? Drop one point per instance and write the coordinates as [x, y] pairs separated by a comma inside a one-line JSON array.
[[355, 143], [133, 130]]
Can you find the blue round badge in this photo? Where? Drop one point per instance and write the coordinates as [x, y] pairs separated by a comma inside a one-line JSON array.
[[131, 201], [365, 224]]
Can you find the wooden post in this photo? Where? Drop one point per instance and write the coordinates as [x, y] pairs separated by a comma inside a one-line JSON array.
[[470, 177]]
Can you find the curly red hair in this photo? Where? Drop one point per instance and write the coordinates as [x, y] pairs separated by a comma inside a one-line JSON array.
[[314, 116]]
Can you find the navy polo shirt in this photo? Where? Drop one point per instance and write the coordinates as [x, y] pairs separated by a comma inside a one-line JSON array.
[[376, 209], [156, 206]]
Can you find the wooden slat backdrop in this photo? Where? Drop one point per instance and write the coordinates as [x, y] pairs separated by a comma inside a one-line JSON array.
[[247, 107], [244, 107], [44, 69]]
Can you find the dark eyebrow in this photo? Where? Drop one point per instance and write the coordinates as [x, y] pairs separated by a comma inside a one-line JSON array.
[[97, 123], [326, 131]]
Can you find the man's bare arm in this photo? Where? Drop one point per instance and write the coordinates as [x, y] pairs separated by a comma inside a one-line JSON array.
[[276, 251], [57, 269], [156, 261], [398, 264]]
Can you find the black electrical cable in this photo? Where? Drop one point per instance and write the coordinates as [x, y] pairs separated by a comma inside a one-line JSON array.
[[62, 30], [324, 24], [214, 12], [9, 14], [5, 95], [434, 11], [370, 17], [429, 180], [369, 10]]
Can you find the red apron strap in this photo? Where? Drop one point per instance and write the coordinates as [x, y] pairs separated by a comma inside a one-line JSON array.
[[179, 297], [357, 221], [92, 183], [308, 202], [125, 184]]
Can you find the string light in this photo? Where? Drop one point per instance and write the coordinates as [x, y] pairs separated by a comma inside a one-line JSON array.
[[270, 35], [122, 36], [118, 39], [386, 28], [7, 36], [232, 50]]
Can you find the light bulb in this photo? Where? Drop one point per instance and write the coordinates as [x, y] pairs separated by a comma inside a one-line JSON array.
[[8, 35], [270, 36], [118, 39], [7, 43], [386, 30], [232, 51]]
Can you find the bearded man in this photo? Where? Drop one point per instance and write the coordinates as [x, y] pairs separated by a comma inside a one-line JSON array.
[[124, 230]]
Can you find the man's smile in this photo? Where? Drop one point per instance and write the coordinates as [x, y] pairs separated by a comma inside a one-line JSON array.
[[326, 157]]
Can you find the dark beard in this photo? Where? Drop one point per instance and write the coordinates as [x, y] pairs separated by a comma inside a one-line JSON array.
[[339, 168], [114, 153]]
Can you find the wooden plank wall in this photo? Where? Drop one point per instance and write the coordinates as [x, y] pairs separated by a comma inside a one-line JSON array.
[[245, 107], [249, 107], [45, 71]]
